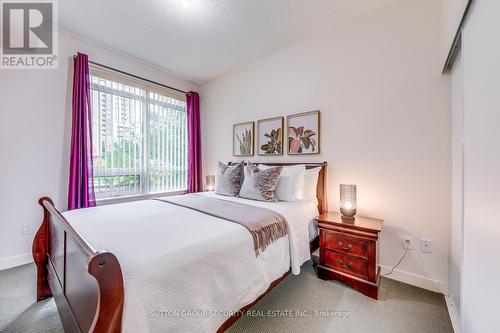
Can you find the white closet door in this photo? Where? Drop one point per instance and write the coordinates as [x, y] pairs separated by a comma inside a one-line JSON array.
[[457, 161]]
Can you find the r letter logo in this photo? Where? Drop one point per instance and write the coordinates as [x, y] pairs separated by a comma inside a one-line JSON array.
[[29, 39]]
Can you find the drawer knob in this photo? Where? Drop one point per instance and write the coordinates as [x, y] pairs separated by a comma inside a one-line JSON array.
[[342, 264], [348, 247]]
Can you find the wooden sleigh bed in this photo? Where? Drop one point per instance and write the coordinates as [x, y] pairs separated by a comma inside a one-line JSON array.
[[87, 284]]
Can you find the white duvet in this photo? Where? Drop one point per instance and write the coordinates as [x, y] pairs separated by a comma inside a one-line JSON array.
[[187, 271]]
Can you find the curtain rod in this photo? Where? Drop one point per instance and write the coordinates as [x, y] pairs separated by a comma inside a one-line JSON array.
[[135, 76]]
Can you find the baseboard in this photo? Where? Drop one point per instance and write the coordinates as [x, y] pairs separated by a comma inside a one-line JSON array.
[[415, 280], [452, 310], [9, 262]]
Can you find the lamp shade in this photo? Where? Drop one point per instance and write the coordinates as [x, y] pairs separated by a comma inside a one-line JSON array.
[[210, 182], [348, 200]]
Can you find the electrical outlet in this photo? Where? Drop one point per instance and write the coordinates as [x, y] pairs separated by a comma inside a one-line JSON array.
[[27, 228], [408, 242], [426, 245]]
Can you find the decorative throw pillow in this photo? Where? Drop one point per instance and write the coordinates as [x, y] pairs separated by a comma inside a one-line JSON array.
[[291, 183], [259, 184], [229, 179]]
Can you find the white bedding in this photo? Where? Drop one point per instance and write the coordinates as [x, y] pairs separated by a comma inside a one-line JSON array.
[[178, 263]]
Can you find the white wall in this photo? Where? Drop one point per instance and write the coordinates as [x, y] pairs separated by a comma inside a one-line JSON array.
[[35, 123], [385, 122], [481, 243]]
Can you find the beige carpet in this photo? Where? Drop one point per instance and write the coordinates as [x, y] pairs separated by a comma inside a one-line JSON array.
[[290, 307]]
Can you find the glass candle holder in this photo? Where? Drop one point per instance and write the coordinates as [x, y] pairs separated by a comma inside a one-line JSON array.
[[348, 200], [210, 182]]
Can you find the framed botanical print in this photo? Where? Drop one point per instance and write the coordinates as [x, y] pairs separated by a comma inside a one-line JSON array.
[[243, 134], [303, 133], [270, 136]]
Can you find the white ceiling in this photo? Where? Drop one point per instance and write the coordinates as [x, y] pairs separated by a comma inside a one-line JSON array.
[[202, 39]]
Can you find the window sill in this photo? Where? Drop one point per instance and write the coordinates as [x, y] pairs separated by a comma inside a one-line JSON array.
[[129, 198]]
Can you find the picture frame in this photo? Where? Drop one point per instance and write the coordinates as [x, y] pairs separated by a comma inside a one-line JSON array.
[[270, 136], [243, 138], [303, 133]]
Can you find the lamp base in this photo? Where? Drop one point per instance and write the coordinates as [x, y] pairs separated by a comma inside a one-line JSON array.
[[347, 212], [348, 218]]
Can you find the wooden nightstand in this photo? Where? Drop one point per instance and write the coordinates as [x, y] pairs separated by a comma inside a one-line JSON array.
[[348, 251]]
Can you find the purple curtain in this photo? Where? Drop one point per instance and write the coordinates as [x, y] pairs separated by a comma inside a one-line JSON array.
[[81, 188], [194, 183]]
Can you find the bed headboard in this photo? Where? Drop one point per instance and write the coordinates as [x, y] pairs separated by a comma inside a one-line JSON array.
[[321, 192]]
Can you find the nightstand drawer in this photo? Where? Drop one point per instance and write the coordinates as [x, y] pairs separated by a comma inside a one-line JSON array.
[[346, 244], [352, 265]]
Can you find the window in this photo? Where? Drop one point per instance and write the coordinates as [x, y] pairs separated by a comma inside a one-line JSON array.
[[139, 136]]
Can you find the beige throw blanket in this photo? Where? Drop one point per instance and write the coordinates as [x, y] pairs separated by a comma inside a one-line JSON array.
[[264, 224]]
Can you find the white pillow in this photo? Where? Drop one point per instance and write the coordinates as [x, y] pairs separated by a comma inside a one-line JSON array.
[[291, 182], [311, 183]]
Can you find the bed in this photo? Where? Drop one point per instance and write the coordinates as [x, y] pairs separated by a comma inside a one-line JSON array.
[[191, 272]]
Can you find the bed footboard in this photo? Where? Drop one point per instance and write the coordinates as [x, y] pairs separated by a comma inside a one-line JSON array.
[[87, 285]]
